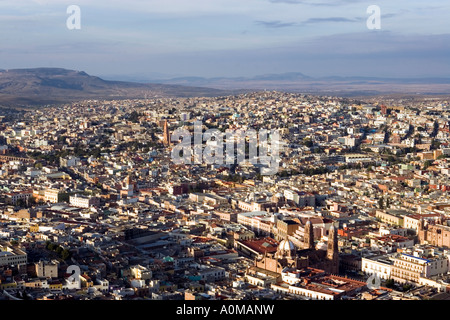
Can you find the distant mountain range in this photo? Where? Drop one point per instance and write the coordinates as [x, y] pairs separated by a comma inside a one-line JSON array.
[[339, 85], [41, 86]]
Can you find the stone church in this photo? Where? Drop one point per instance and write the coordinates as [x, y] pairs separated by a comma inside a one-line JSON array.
[[288, 256]]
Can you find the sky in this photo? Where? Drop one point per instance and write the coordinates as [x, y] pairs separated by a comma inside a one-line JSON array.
[[228, 38]]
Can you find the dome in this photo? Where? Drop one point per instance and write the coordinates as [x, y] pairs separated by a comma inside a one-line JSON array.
[[286, 245], [286, 249]]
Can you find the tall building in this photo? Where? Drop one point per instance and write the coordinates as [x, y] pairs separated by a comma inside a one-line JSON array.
[[166, 134], [309, 235], [333, 251]]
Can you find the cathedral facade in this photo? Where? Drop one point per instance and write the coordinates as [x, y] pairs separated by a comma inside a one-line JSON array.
[[436, 234], [288, 256]]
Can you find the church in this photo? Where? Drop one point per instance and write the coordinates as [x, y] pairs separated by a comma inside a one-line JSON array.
[[288, 256]]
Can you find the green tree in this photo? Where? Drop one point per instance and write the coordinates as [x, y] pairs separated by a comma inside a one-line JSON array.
[[380, 203], [308, 142], [51, 246], [65, 254], [59, 250], [427, 164], [389, 283], [406, 287]]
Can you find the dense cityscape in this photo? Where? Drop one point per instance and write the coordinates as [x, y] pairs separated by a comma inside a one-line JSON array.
[[92, 206]]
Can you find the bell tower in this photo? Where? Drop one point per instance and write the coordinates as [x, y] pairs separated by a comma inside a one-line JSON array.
[[333, 251], [166, 134], [309, 235]]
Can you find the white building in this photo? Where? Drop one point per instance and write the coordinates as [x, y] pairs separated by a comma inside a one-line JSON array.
[[411, 267], [12, 256], [378, 265], [302, 199], [418, 264], [83, 202], [212, 273], [258, 221]]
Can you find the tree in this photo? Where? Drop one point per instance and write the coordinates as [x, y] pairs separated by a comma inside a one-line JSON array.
[[21, 203], [65, 254], [427, 164], [308, 142], [134, 117], [380, 203], [406, 287], [59, 250], [389, 283]]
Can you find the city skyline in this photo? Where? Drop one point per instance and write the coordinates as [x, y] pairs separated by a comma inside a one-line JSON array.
[[164, 39]]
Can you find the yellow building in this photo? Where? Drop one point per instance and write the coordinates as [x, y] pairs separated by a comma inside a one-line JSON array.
[[391, 217], [86, 281], [8, 285], [55, 285]]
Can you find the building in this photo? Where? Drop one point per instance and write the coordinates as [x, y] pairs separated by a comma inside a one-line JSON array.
[[15, 197], [260, 222], [52, 195], [315, 284], [390, 243], [140, 272], [83, 202], [46, 269], [285, 228], [12, 256], [435, 234], [208, 273], [412, 267], [69, 161], [301, 198], [225, 216], [381, 265], [287, 255], [166, 134], [23, 214], [412, 221], [391, 217], [418, 264], [320, 228]]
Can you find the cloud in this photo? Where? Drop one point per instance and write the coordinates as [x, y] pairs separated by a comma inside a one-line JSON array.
[[280, 24], [316, 3], [276, 24], [331, 19]]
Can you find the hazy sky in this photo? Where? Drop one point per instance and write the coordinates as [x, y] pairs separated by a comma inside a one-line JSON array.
[[228, 37]]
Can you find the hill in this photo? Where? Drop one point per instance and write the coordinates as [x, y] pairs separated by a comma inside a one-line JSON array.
[[42, 86]]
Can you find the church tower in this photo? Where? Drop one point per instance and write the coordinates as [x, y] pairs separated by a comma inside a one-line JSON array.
[[166, 134], [309, 235], [333, 251]]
